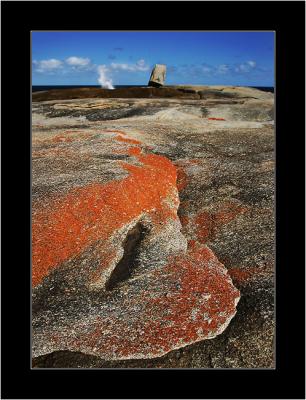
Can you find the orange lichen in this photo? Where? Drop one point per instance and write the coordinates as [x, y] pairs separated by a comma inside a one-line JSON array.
[[67, 139], [182, 179], [119, 137], [205, 225], [195, 161], [194, 280], [94, 212], [242, 275], [182, 176], [239, 275], [228, 212], [60, 138], [201, 301], [198, 297], [134, 151], [184, 220], [209, 222], [127, 140]]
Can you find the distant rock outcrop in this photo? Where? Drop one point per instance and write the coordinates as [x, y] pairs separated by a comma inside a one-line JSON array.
[[124, 93], [158, 76]]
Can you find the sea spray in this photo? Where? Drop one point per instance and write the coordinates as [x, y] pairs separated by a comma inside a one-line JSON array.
[[104, 81]]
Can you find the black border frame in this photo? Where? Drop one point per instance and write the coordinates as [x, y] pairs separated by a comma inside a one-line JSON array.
[[287, 19]]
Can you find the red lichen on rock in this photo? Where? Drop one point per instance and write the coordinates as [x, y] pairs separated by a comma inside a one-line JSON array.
[[120, 136], [228, 212], [194, 161], [133, 151], [127, 140], [183, 299], [182, 176], [93, 212], [241, 276], [200, 304], [205, 226], [184, 220], [202, 288], [60, 138], [208, 223], [67, 139], [217, 119], [182, 179]]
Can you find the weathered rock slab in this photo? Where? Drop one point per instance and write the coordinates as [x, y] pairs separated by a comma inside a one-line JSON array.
[[112, 273], [202, 173]]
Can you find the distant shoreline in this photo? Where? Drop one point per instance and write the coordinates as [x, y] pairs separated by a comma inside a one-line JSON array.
[[39, 88], [194, 92]]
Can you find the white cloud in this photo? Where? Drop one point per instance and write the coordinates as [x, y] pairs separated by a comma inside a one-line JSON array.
[[70, 64], [78, 61], [139, 66], [206, 69], [252, 64], [245, 67], [47, 65], [242, 68], [222, 69], [124, 67], [75, 64]]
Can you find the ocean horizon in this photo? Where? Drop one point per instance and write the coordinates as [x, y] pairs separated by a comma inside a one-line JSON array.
[[40, 88]]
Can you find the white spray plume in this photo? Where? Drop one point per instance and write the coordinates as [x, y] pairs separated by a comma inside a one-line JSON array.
[[103, 79]]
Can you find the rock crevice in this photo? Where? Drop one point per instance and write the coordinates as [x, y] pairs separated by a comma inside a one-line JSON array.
[[128, 262]]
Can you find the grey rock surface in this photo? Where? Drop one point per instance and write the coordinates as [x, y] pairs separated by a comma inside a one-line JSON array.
[[223, 149]]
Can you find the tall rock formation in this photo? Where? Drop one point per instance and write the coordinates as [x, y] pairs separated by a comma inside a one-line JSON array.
[[158, 76]]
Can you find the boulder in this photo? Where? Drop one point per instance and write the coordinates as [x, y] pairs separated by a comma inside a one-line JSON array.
[[158, 76], [112, 274]]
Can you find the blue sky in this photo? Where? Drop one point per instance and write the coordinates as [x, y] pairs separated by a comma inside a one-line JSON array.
[[126, 58]]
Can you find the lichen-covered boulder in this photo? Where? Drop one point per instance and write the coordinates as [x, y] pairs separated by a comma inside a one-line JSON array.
[[112, 273]]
